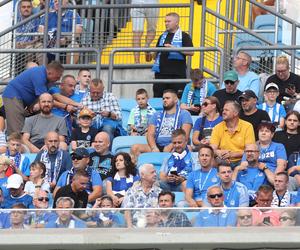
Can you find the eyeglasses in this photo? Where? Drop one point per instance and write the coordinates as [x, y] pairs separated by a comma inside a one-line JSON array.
[[213, 196], [76, 157], [285, 218], [205, 104], [229, 82], [245, 217], [46, 199]]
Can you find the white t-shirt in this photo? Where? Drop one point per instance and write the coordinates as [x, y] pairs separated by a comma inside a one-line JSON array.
[[30, 187]]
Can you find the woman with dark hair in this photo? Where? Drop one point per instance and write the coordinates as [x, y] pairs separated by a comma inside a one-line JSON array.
[[124, 175], [290, 136], [210, 118]]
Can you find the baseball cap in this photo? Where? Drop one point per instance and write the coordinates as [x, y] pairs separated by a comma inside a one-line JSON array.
[[271, 85], [231, 75], [85, 112], [14, 181], [82, 152], [248, 94]]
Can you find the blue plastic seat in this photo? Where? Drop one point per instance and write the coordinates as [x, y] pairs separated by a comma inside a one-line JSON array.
[[155, 158], [156, 103], [126, 106], [124, 143], [31, 156]]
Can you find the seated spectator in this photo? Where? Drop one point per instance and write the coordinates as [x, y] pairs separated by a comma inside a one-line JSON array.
[[281, 196], [257, 11], [250, 113], [175, 169], [18, 216], [19, 162], [217, 215], [66, 26], [5, 162], [105, 106], [15, 186], [65, 218], [36, 180], [123, 177], [140, 115], [230, 137], [81, 158], [36, 127], [83, 82], [162, 125], [294, 168], [143, 194], [290, 135], [195, 92], [200, 180], [169, 218], [76, 190], [230, 92], [84, 135], [235, 193], [265, 216], [275, 110], [210, 118], [100, 160], [288, 218], [56, 160], [244, 218]]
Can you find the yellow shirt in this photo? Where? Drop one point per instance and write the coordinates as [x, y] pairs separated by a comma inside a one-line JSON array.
[[235, 142]]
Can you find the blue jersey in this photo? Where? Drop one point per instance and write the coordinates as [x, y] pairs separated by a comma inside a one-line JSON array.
[[3, 184], [26, 199], [236, 195], [252, 178], [212, 218], [276, 112]]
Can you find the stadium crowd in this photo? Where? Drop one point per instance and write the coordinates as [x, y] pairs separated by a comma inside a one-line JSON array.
[[235, 147]]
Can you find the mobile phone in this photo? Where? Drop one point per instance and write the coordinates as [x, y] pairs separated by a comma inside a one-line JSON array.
[[266, 220], [174, 172]]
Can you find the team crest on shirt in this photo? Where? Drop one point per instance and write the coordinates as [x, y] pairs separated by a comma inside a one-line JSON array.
[[214, 179], [232, 202]]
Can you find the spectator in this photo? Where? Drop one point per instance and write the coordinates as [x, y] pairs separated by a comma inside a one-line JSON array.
[[257, 11], [230, 92], [235, 193], [105, 106], [81, 158], [138, 16], [66, 26], [265, 216], [210, 118], [15, 186], [169, 218], [176, 168], [84, 135], [21, 93], [36, 127], [290, 136], [244, 218], [123, 177], [217, 215], [250, 113], [83, 82], [288, 218], [275, 110], [36, 181], [76, 190], [5, 162], [18, 216], [195, 92], [101, 158], [144, 194], [140, 115], [287, 82], [162, 125], [56, 160], [281, 196], [171, 65], [19, 162], [65, 218], [200, 180], [230, 137]]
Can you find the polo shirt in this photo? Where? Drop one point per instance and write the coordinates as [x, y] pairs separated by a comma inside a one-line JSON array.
[[252, 178], [212, 218]]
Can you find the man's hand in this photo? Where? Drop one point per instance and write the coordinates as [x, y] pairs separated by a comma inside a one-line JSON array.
[[242, 167], [171, 178], [194, 108]]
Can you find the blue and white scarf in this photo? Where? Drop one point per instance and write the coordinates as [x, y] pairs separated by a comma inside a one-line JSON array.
[[180, 163], [176, 42], [117, 189], [57, 165], [138, 115], [17, 158], [191, 93]]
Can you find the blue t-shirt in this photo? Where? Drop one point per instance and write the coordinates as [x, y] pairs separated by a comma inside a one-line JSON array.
[[26, 199], [275, 113], [252, 178], [28, 86], [199, 181], [3, 184], [164, 136], [236, 195], [211, 88], [207, 127], [224, 218]]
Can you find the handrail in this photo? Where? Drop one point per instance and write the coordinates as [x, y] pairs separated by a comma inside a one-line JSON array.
[[154, 81], [2, 3]]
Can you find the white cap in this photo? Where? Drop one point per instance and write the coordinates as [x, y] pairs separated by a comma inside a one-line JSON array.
[[14, 181], [271, 85]]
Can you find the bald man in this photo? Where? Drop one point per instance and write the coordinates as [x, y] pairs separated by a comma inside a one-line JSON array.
[[36, 127]]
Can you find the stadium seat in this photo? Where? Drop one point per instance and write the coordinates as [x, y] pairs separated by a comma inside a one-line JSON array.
[[194, 118], [126, 105], [156, 103], [155, 158], [124, 143], [31, 156]]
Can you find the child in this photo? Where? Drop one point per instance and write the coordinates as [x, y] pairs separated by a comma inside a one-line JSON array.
[[37, 179], [85, 134], [275, 110], [124, 175], [141, 114]]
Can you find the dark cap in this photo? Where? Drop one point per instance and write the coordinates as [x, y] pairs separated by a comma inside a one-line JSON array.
[[82, 152], [267, 124], [247, 95]]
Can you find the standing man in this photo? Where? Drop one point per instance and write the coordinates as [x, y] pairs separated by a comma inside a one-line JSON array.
[[21, 93], [171, 65]]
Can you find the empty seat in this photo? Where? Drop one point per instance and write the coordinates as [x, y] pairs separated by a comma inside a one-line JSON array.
[[156, 103], [31, 156], [155, 158], [124, 143]]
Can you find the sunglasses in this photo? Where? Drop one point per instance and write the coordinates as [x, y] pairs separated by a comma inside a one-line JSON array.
[[213, 196], [46, 199], [229, 82], [285, 218], [245, 217], [76, 157], [205, 104]]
